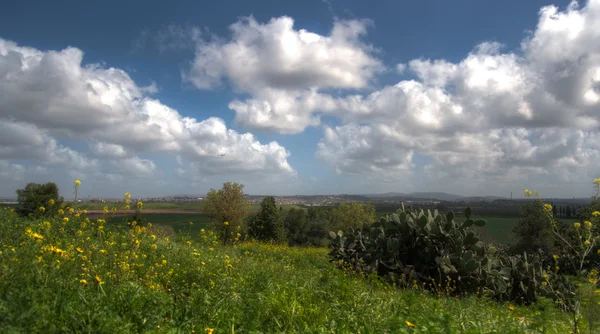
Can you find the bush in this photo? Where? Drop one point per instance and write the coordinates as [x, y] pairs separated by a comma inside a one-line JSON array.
[[534, 230], [434, 251], [38, 200]]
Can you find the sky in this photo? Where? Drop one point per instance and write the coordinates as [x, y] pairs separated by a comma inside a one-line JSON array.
[[301, 97]]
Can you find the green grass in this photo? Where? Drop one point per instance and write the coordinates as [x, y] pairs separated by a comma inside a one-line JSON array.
[[147, 205], [180, 222], [172, 286], [499, 229]]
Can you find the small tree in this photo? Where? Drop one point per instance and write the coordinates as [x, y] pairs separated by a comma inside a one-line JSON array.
[[351, 215], [534, 230], [296, 226], [37, 200], [227, 207], [268, 223]]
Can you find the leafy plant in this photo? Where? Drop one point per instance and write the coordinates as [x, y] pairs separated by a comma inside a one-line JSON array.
[[430, 250]]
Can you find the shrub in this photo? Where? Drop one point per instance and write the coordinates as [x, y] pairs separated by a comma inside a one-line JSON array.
[[432, 250], [534, 230], [38, 200]]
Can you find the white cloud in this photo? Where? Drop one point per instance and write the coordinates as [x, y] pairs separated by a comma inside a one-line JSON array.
[[49, 97], [283, 69], [508, 117]]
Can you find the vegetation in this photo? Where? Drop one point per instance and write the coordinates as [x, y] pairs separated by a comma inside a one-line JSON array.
[[228, 208], [38, 200], [267, 225], [65, 272], [89, 276]]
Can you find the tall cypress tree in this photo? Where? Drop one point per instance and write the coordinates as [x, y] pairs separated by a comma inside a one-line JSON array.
[[268, 223]]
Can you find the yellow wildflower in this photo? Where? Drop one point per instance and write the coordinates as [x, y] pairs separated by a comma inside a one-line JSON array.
[[588, 224], [83, 282], [597, 181], [127, 195], [577, 224], [587, 242], [153, 246], [511, 308], [548, 207], [528, 193], [61, 211], [99, 280], [51, 202], [226, 223], [42, 209], [106, 209], [77, 182], [555, 257], [71, 210], [201, 230], [203, 263], [409, 324], [79, 250], [209, 330], [66, 219], [127, 207], [596, 213], [140, 205]]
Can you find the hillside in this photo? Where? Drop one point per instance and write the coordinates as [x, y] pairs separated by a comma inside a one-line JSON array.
[[78, 276]]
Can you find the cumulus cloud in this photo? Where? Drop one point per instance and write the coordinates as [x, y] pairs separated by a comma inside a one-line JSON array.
[[283, 69], [50, 97], [508, 117]]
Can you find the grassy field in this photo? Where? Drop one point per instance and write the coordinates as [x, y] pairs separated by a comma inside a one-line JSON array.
[[180, 222], [499, 229], [78, 276]]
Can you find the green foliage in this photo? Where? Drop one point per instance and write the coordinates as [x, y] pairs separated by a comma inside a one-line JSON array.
[[227, 207], [304, 229], [347, 215], [434, 250], [267, 225], [267, 288], [38, 200], [534, 230]]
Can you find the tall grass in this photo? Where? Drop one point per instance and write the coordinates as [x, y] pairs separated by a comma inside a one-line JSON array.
[[88, 276]]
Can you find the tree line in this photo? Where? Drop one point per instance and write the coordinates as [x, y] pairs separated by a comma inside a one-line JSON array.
[[228, 209]]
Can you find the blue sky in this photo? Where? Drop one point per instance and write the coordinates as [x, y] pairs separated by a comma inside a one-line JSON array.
[[464, 97]]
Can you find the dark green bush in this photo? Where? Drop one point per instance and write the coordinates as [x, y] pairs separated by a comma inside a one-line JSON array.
[[433, 250]]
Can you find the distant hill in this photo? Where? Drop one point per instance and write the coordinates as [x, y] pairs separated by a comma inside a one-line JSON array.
[[440, 196]]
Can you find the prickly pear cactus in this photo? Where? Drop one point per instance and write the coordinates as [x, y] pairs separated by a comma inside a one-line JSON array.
[[435, 249]]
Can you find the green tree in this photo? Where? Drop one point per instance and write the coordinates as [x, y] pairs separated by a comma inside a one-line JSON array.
[[296, 226], [37, 200], [534, 230], [348, 215], [267, 225], [227, 207]]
